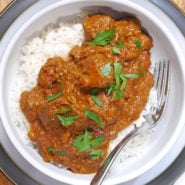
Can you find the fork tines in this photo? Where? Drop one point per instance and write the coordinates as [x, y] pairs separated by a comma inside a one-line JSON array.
[[161, 77]]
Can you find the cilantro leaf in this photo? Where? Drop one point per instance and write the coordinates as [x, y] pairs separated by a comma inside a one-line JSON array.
[[82, 142], [115, 88], [91, 115], [54, 96], [138, 44], [95, 98], [129, 75], [67, 119], [117, 72], [103, 38], [106, 70], [57, 95], [119, 94], [121, 81], [94, 91], [124, 82], [97, 141], [121, 44], [110, 89], [96, 154], [62, 153], [64, 110], [116, 50], [51, 149]]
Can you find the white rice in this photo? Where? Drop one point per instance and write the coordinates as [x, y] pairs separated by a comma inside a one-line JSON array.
[[52, 42]]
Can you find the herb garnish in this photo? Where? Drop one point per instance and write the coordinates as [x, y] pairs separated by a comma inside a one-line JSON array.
[[62, 153], [110, 89], [82, 142], [124, 82], [57, 95], [130, 75], [94, 91], [120, 81], [103, 38], [121, 44], [116, 50], [97, 141], [91, 115], [54, 96], [117, 72], [95, 98], [96, 154], [67, 119], [85, 143], [51, 149], [106, 70], [119, 94], [64, 110], [138, 44]]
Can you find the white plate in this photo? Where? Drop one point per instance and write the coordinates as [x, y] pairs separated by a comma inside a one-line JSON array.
[[5, 41]]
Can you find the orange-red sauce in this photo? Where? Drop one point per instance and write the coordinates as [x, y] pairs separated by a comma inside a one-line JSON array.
[[73, 81]]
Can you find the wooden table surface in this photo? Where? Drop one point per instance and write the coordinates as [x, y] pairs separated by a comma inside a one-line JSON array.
[[3, 5], [4, 180], [180, 4]]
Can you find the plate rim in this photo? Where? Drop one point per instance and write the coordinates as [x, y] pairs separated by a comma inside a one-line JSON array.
[[57, 0]]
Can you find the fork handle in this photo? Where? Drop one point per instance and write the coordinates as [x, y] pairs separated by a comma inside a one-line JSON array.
[[100, 175]]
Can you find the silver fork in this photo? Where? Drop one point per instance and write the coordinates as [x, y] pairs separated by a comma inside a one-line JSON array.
[[161, 78]]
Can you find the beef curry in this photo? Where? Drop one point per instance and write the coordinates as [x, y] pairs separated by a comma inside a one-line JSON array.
[[78, 106]]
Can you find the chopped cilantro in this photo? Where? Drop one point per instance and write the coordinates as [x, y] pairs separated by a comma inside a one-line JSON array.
[[103, 38], [62, 153], [94, 91], [64, 110], [118, 95], [82, 142], [97, 141], [121, 44], [51, 149], [110, 89], [106, 70], [97, 100], [67, 119], [117, 72], [95, 97], [138, 44], [57, 95], [96, 154], [129, 75], [91, 115], [116, 50], [120, 81], [85, 143], [54, 96], [124, 82]]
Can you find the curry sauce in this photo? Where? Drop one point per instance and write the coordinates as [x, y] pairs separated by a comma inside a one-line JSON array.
[[79, 105]]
